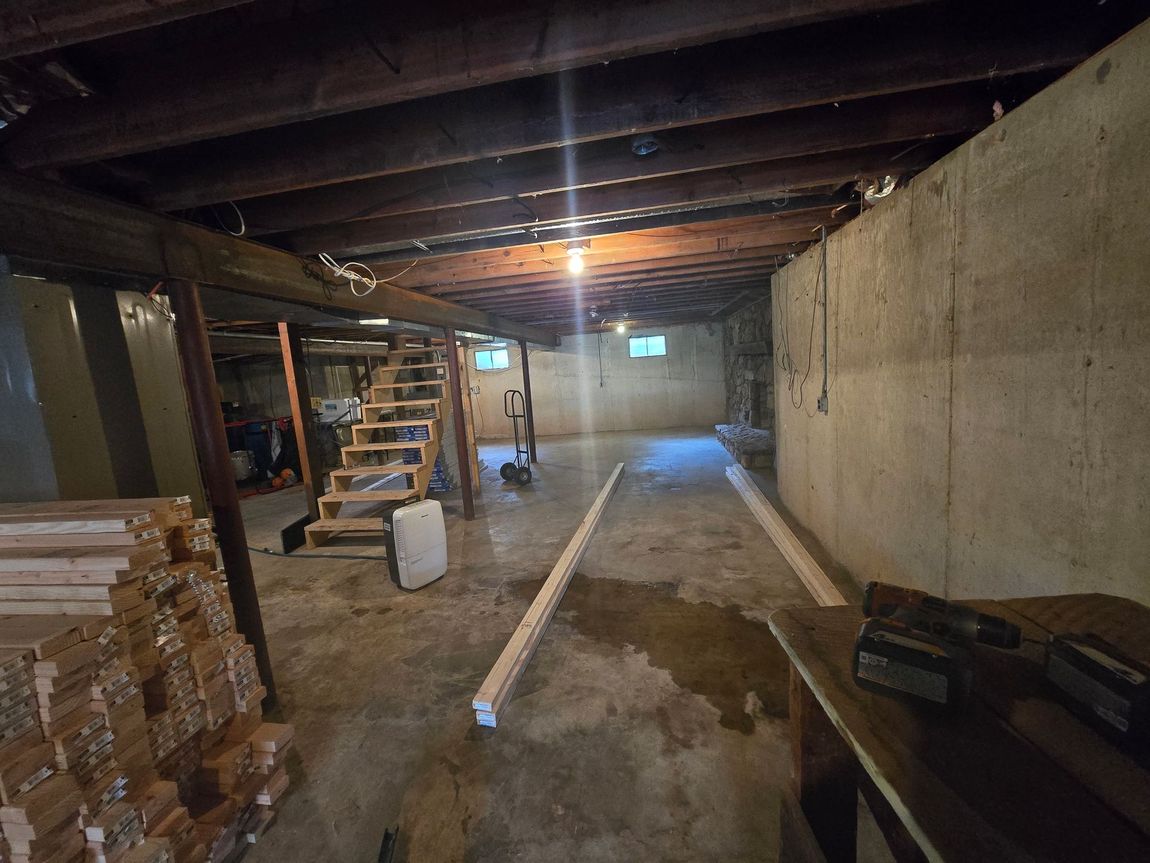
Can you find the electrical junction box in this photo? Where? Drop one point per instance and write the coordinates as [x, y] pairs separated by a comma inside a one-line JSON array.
[[416, 542]]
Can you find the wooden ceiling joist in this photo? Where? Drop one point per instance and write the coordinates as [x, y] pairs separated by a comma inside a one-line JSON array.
[[820, 64], [685, 265], [692, 217], [554, 263], [744, 182], [823, 128], [288, 74], [29, 26], [41, 221], [667, 271]]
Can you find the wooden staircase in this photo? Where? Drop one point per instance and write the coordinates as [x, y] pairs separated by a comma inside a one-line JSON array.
[[374, 455]]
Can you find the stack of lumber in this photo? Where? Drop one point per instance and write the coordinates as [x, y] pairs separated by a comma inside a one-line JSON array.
[[43, 823], [123, 686]]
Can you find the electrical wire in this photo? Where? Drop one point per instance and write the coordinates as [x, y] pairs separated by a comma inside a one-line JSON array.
[[268, 551], [787, 364], [243, 224], [354, 272]]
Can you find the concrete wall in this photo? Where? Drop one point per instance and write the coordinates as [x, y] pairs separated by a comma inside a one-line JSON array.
[[989, 342], [750, 378], [684, 388]]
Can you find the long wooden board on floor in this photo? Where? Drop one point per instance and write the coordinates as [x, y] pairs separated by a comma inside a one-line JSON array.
[[496, 690], [805, 566]]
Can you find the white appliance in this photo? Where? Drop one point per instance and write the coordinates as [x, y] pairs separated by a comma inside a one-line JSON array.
[[340, 410], [416, 543]]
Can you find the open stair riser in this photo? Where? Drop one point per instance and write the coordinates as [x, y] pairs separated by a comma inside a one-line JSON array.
[[384, 413]]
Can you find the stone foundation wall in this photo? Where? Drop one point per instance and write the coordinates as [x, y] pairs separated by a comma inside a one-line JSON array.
[[749, 373]]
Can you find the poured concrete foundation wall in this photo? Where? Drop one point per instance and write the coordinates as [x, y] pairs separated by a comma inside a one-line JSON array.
[[573, 392], [989, 357]]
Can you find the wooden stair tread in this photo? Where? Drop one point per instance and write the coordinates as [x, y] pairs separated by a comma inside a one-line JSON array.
[[386, 445], [378, 470], [332, 524], [408, 403], [362, 496], [392, 424]]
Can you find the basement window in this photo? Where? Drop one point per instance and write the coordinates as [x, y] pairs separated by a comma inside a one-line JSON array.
[[489, 361], [647, 346]]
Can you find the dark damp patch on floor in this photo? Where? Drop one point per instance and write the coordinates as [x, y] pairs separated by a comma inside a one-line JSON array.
[[712, 650]]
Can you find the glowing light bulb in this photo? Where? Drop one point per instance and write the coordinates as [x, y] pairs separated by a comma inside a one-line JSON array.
[[575, 264], [621, 328]]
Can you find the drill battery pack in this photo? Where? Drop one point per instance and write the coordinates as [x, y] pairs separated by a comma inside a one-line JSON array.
[[1104, 687], [893, 659]]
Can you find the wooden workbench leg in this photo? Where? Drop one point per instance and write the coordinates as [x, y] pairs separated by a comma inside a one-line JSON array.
[[825, 774], [902, 845]]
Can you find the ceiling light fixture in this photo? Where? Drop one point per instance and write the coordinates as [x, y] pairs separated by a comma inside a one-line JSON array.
[[575, 252], [375, 322], [620, 328]]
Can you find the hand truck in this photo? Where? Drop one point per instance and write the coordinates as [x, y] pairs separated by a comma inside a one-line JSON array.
[[518, 471]]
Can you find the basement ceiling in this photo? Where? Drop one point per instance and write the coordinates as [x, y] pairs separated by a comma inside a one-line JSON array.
[[459, 149]]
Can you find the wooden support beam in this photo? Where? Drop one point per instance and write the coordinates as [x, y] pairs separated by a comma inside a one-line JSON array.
[[805, 566], [824, 774], [458, 421], [284, 73], [52, 224], [299, 394], [777, 72], [525, 362], [492, 697], [760, 180], [30, 26], [802, 132], [211, 438]]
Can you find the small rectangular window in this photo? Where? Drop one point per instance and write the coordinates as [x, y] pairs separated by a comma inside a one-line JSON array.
[[647, 346], [487, 361]]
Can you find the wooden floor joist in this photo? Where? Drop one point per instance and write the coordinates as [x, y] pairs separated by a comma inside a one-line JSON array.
[[805, 566], [496, 690]]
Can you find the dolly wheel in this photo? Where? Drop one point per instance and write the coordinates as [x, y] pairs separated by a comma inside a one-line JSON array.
[[508, 471], [523, 475]]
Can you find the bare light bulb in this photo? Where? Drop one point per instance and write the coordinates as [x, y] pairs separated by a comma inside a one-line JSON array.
[[621, 328], [575, 264]]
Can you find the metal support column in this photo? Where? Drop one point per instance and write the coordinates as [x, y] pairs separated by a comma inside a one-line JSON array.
[[203, 397], [299, 394], [527, 403], [458, 421]]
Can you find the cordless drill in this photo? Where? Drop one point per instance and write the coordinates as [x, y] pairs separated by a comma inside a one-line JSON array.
[[919, 646]]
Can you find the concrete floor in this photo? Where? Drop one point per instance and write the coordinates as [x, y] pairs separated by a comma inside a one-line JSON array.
[[649, 726]]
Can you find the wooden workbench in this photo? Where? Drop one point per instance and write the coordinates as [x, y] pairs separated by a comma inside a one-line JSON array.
[[1013, 777]]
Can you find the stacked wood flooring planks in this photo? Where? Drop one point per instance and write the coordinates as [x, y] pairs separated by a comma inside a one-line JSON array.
[[124, 690]]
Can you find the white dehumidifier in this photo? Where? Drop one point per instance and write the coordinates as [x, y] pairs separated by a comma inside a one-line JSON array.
[[416, 543]]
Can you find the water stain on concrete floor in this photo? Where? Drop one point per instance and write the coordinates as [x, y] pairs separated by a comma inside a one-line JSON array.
[[712, 650]]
